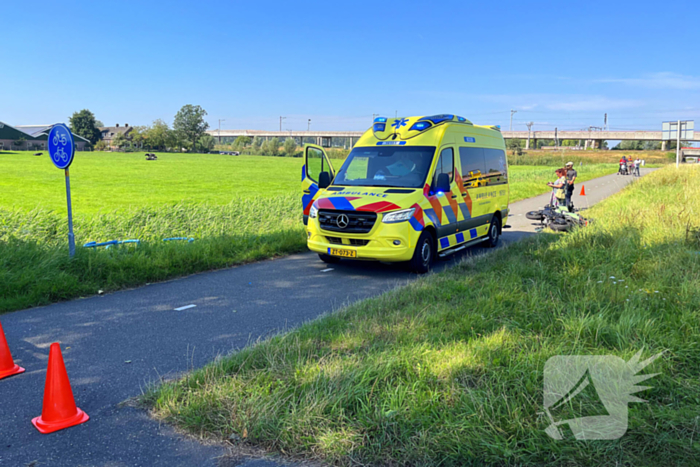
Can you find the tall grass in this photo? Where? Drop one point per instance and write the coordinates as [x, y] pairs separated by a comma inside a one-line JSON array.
[[561, 157], [448, 370], [35, 268]]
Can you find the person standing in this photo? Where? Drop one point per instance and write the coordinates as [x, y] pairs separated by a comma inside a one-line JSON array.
[[559, 187], [637, 163], [571, 175]]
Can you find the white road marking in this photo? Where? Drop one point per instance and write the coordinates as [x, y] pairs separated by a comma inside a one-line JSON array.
[[326, 270], [186, 307]]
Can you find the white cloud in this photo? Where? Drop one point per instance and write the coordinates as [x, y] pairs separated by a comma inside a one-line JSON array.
[[662, 80]]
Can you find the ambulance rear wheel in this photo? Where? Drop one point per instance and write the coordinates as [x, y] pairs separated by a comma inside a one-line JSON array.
[[328, 258], [424, 254]]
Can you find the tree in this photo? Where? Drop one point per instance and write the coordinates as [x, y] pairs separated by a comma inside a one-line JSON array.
[[138, 135], [158, 135], [257, 144], [290, 147], [83, 124], [242, 141], [119, 140], [271, 147], [207, 142], [99, 124], [514, 143], [189, 122]]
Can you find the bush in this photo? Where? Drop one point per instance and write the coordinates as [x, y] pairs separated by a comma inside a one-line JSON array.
[[290, 147], [271, 147]]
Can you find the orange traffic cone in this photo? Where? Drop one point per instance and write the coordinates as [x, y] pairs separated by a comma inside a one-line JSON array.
[[583, 190], [7, 365], [59, 409]]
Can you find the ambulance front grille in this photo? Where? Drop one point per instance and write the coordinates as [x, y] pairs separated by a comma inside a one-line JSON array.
[[358, 222], [352, 241]]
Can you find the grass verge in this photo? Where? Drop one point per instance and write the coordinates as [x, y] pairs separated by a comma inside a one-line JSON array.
[[35, 268], [448, 370]]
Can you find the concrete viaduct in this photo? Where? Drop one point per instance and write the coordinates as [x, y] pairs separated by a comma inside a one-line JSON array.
[[347, 139]]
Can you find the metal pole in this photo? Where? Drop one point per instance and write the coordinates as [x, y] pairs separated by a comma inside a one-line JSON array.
[[71, 237], [220, 120], [511, 118], [678, 145]]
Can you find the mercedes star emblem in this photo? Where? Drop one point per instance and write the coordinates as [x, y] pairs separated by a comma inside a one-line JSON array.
[[342, 221]]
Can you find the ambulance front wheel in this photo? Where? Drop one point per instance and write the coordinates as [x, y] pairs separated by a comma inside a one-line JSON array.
[[424, 254], [494, 232], [328, 258]]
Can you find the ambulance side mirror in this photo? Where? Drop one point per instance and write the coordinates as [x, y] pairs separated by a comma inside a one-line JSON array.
[[324, 180], [443, 183]]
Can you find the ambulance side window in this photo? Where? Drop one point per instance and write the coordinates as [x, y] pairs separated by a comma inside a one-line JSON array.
[[314, 164], [445, 165], [495, 161], [472, 160]]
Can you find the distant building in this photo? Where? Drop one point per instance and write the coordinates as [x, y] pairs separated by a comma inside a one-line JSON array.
[[31, 138], [107, 133]]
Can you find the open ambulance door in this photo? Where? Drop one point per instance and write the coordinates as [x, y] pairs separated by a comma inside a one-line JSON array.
[[316, 172]]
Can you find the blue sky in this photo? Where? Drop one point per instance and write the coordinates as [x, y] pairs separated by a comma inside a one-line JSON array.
[[562, 64]]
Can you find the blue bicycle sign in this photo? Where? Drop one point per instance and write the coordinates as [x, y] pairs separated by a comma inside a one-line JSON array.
[[61, 146]]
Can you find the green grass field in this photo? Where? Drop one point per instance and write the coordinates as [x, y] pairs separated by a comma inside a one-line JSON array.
[[239, 209], [449, 370], [106, 182], [103, 182]]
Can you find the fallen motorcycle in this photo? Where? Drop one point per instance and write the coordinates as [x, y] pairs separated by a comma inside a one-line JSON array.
[[558, 218]]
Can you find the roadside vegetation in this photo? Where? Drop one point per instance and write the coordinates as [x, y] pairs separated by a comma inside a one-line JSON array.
[[560, 157], [238, 209], [448, 370]]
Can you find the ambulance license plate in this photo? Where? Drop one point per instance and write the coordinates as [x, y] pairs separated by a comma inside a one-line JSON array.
[[342, 253]]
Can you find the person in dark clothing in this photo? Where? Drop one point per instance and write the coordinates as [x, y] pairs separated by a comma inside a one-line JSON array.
[[570, 179]]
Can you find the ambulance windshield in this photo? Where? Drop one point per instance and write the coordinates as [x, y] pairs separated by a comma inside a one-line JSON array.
[[386, 166]]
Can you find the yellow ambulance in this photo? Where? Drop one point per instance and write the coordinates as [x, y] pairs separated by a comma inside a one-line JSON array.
[[412, 189]]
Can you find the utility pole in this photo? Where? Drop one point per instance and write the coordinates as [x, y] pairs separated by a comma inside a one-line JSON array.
[[606, 122], [511, 118], [678, 145], [529, 128], [220, 120], [556, 137], [374, 116], [282, 118], [308, 125], [396, 114]]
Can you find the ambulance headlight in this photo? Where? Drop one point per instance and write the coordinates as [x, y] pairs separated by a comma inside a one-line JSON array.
[[398, 216], [313, 212]]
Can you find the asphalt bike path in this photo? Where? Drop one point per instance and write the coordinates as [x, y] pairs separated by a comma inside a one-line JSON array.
[[115, 345]]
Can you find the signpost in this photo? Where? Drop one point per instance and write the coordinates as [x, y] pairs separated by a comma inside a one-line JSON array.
[[62, 149], [681, 129]]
